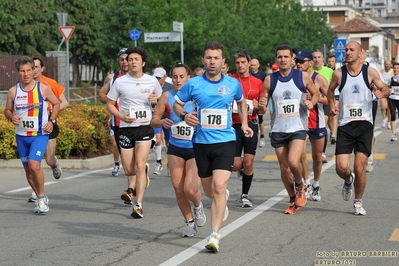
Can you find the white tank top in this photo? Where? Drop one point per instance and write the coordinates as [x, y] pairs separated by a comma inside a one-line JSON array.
[[355, 100]]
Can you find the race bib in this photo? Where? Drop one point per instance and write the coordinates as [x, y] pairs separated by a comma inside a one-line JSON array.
[[288, 108], [250, 107], [355, 111], [214, 118], [182, 131], [142, 114], [29, 124], [395, 90]]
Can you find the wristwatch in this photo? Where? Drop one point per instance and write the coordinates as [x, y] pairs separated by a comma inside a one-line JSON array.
[[183, 115], [53, 121]]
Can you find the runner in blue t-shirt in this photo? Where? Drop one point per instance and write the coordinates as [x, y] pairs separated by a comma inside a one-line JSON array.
[[212, 95]]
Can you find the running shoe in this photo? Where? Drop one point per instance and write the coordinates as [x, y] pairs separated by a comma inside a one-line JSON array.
[[164, 150], [324, 158], [262, 142], [147, 169], [57, 171], [359, 210], [240, 173], [308, 190], [127, 196], [389, 125], [190, 230], [137, 211], [292, 208], [300, 196], [333, 139], [316, 193], [213, 242], [199, 216], [384, 123], [115, 171], [168, 170], [226, 211], [158, 169], [347, 190], [33, 197], [393, 137], [245, 201], [369, 166], [41, 205]]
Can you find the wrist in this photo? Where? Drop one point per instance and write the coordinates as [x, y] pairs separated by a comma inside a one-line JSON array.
[[183, 115]]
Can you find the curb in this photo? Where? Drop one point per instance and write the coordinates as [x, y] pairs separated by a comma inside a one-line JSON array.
[[90, 164]]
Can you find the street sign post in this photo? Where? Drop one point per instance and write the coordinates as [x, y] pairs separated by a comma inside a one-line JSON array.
[[134, 35], [178, 27], [67, 32], [339, 49]]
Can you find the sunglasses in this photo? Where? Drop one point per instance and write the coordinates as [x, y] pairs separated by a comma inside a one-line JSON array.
[[302, 61]]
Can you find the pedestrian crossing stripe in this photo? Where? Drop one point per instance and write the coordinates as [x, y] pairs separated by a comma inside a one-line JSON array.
[[273, 157], [395, 235]]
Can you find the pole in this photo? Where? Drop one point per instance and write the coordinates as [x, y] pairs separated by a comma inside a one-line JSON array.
[[135, 43], [67, 70], [181, 47]]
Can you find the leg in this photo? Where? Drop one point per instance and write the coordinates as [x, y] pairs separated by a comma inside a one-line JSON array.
[[360, 173], [141, 151], [342, 167]]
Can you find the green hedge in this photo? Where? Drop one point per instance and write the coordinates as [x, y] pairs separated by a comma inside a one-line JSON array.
[[84, 133]]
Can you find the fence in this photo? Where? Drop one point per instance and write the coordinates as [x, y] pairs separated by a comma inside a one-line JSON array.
[[9, 76]]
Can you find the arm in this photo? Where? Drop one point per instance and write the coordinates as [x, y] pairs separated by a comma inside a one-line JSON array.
[[64, 103], [102, 95], [381, 90], [312, 89], [9, 109], [264, 100], [157, 120], [322, 85], [191, 119], [331, 88], [242, 112]]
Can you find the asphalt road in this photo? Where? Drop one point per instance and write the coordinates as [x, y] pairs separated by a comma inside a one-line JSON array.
[[88, 224]]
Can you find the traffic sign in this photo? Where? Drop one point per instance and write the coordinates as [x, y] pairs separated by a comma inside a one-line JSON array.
[[162, 37], [66, 31], [177, 26], [339, 49], [134, 35]]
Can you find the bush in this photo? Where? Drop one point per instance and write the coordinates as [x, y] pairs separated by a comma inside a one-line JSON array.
[[84, 133]]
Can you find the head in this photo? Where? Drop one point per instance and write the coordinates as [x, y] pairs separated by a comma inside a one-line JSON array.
[[160, 74], [39, 68], [225, 68], [25, 67], [198, 71], [331, 61], [304, 60], [213, 59], [387, 65], [242, 61], [274, 67], [137, 59], [353, 53], [122, 60], [396, 68], [180, 74], [284, 57], [318, 60], [255, 65]]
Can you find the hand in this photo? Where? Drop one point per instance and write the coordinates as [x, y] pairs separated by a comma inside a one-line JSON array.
[[308, 104], [48, 127], [255, 103], [167, 123], [262, 103], [153, 98], [379, 94], [247, 131], [126, 118], [333, 110], [191, 119]]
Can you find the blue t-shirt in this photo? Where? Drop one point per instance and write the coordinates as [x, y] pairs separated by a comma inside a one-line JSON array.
[[212, 100], [179, 132]]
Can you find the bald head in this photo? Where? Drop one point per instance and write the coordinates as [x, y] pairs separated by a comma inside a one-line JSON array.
[[255, 65], [353, 53], [387, 65]]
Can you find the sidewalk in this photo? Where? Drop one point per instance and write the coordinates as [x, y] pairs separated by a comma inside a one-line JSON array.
[[90, 164]]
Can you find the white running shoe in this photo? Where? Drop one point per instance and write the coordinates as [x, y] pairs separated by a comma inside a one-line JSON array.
[[158, 169], [393, 137], [262, 142], [240, 173], [347, 190], [316, 193], [245, 201], [384, 123], [213, 242], [57, 171], [369, 166], [33, 197], [190, 230], [115, 171], [359, 210], [389, 125], [41, 205], [199, 216]]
